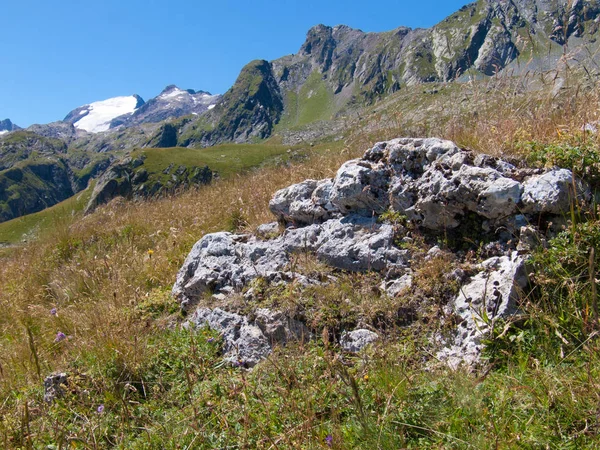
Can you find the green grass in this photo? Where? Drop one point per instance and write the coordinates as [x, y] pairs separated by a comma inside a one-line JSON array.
[[314, 102], [226, 160], [34, 225]]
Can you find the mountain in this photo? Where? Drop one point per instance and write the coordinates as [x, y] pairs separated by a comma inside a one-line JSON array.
[[339, 68], [171, 103], [7, 126], [249, 110], [97, 117], [132, 111]]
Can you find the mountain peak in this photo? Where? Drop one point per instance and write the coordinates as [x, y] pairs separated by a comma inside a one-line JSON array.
[[96, 117], [6, 126]]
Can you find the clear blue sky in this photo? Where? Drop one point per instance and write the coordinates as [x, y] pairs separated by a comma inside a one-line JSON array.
[[57, 55]]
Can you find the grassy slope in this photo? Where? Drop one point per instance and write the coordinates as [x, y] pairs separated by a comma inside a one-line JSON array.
[[314, 102], [163, 388], [33, 225], [224, 159]]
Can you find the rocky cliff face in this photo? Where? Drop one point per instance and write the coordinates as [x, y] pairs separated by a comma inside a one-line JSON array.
[[129, 178]]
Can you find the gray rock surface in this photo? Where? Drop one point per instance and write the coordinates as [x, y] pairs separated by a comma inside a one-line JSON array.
[[356, 340], [225, 260], [551, 192], [393, 288], [490, 295], [304, 203], [54, 386], [245, 342]]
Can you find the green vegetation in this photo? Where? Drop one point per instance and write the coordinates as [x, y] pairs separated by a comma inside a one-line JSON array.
[[33, 226], [314, 102], [33, 185], [253, 107], [579, 155], [226, 160], [21, 145], [138, 380]]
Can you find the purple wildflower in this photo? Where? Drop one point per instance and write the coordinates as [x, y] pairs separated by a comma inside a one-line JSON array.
[[329, 440], [53, 312], [60, 336], [210, 340], [100, 409]]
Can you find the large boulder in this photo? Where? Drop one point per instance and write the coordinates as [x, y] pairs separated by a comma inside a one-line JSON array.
[[426, 183], [433, 183]]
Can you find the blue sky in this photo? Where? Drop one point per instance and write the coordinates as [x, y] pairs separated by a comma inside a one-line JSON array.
[[57, 55]]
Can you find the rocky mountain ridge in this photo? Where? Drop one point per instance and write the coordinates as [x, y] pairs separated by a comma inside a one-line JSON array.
[[343, 67]]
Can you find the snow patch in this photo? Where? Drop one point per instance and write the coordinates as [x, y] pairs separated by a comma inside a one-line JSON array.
[[211, 106], [174, 93], [103, 112], [3, 132]]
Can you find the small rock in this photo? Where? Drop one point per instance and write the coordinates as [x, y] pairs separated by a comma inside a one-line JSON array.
[[434, 252], [356, 340], [394, 288], [247, 343], [268, 230], [530, 239], [54, 386]]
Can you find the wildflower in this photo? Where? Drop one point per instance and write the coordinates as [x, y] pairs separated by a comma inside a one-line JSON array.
[[60, 336], [150, 253], [210, 340], [366, 378], [329, 440], [53, 312], [100, 409]]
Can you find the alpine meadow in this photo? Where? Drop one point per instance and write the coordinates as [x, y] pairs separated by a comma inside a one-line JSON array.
[[387, 240]]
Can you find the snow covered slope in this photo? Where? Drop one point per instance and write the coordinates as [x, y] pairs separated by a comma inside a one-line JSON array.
[[97, 117], [171, 103]]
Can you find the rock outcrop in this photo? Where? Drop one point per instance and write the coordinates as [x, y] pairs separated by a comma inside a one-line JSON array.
[[247, 342], [430, 183]]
